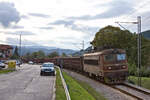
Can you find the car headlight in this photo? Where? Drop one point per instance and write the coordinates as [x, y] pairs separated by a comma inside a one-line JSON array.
[[109, 67]]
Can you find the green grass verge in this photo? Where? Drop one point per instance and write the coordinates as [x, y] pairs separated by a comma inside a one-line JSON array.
[[92, 91], [77, 92], [145, 81], [4, 71], [60, 92]]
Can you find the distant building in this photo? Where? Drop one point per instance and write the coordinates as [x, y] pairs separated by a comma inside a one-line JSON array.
[[5, 51]]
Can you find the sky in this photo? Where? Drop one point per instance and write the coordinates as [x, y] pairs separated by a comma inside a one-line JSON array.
[[66, 23]]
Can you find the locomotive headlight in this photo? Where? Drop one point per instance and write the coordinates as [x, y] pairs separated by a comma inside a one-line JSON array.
[[109, 68], [123, 66]]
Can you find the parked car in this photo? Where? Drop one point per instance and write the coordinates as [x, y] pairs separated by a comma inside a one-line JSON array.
[[30, 62], [2, 65], [47, 68], [18, 62]]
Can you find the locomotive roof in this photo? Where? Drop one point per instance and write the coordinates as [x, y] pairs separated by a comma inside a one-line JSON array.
[[107, 51]]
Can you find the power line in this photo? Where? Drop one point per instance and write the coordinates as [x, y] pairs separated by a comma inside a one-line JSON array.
[[135, 10]]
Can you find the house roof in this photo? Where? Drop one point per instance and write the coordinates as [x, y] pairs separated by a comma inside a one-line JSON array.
[[5, 47]]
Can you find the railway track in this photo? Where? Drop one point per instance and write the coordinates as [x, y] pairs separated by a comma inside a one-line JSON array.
[[133, 91]]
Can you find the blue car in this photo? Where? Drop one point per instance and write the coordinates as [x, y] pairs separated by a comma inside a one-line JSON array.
[[47, 69]]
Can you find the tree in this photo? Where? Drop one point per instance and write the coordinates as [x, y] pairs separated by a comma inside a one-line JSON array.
[[27, 55], [40, 54], [53, 54], [114, 37], [16, 54], [64, 54]]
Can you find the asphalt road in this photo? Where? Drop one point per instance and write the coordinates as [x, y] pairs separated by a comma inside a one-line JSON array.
[[26, 84]]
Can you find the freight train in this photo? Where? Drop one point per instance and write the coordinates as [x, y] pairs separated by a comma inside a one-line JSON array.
[[109, 66]]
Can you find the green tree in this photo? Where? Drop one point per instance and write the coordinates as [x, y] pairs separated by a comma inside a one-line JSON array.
[[15, 54], [27, 55], [114, 37], [64, 54], [40, 54], [34, 55], [53, 54]]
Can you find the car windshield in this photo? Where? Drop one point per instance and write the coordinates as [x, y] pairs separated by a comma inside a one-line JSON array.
[[48, 65], [121, 57]]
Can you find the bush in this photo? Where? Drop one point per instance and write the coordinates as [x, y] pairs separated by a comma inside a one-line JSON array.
[[133, 70]]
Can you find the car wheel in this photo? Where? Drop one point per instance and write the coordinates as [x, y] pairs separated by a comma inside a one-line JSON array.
[[53, 73], [41, 73]]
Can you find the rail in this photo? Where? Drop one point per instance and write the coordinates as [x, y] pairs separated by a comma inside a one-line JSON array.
[[136, 92], [140, 89], [64, 85], [127, 93]]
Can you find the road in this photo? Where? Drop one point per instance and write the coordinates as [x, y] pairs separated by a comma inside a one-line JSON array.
[[26, 84]]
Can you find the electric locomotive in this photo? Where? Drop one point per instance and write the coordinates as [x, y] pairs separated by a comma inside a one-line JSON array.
[[108, 65]]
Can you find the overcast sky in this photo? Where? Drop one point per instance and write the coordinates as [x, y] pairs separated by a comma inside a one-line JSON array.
[[66, 23]]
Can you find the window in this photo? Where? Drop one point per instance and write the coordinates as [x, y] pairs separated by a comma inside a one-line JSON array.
[[48, 65], [91, 61], [121, 57], [109, 58]]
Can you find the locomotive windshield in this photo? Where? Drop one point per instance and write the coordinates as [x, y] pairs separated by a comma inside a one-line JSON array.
[[109, 58], [114, 57], [121, 57]]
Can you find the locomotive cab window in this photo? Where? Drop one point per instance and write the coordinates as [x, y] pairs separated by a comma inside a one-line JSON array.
[[109, 57], [121, 57]]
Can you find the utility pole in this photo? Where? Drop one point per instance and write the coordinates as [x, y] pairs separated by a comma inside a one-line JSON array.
[[138, 22], [139, 49], [20, 48], [83, 46]]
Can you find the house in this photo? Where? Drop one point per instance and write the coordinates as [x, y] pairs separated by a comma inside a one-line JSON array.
[[5, 51]]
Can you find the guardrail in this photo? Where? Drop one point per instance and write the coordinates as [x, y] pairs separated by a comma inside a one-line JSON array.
[[64, 85]]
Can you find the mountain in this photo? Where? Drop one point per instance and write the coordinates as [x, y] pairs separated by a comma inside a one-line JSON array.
[[45, 49], [146, 34]]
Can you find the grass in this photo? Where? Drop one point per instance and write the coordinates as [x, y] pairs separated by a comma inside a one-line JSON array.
[[77, 92], [144, 80], [60, 92], [92, 91], [4, 71]]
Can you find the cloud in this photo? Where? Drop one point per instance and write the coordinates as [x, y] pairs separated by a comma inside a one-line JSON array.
[[39, 15], [24, 17], [8, 14], [116, 8], [14, 41], [19, 32], [71, 24], [62, 22], [17, 27], [46, 28]]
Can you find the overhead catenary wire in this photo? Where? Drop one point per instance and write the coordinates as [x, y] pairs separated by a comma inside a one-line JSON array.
[[132, 12]]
